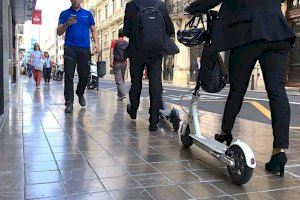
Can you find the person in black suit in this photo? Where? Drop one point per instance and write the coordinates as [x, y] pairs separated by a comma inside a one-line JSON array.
[[139, 59], [254, 30], [196, 68]]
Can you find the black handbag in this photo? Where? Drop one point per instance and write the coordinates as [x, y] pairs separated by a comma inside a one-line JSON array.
[[213, 73], [101, 68], [170, 47]]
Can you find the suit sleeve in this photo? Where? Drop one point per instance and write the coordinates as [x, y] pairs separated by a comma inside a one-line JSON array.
[[127, 22], [169, 24], [199, 6]]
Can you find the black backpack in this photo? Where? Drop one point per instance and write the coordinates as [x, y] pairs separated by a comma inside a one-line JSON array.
[[119, 50], [213, 73], [151, 28]]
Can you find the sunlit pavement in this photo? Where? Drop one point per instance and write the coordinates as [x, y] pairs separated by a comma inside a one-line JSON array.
[[98, 152]]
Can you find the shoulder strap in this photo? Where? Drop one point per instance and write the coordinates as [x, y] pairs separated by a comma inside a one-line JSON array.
[[140, 5]]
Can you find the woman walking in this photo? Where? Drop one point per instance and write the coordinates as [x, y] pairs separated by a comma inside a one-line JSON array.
[[35, 60], [47, 69], [254, 30]]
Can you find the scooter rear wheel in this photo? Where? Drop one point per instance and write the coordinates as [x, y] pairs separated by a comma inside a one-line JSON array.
[[240, 173], [175, 119], [186, 139]]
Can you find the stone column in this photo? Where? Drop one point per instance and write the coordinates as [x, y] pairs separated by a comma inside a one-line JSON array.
[[181, 60]]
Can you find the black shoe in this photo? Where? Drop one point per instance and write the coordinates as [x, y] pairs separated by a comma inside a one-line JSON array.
[[223, 137], [81, 100], [277, 163], [153, 127], [69, 108], [131, 113]]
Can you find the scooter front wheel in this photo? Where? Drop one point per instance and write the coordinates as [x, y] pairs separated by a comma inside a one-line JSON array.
[[240, 173], [186, 139]]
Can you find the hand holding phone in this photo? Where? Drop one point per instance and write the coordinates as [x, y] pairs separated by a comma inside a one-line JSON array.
[[72, 20]]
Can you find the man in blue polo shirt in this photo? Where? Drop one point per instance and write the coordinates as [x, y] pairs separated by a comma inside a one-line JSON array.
[[77, 23]]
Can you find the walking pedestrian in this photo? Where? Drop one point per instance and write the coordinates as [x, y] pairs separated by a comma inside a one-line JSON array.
[[35, 60], [254, 31], [47, 69], [147, 32], [77, 23], [118, 63], [196, 68]]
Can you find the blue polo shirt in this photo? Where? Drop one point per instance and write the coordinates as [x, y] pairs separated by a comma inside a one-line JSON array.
[[78, 35]]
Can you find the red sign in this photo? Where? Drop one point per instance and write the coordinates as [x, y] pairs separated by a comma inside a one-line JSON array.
[[37, 17]]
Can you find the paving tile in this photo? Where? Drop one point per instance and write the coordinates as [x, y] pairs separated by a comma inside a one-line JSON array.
[[111, 171], [149, 180], [132, 194], [41, 166], [168, 192], [293, 193], [72, 164], [102, 162], [92, 196], [182, 177], [231, 189], [209, 174], [44, 190], [168, 166], [254, 196], [84, 186], [42, 177], [201, 190], [78, 174], [140, 169], [122, 182]]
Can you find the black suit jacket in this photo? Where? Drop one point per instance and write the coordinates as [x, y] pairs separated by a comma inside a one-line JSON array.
[[130, 23], [244, 21]]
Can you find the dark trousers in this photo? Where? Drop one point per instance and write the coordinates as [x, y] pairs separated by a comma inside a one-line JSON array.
[[47, 74], [272, 57], [154, 70], [119, 73], [76, 56]]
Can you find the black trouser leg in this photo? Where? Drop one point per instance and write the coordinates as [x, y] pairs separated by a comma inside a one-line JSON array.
[[273, 68], [137, 65], [241, 63], [154, 70], [83, 69], [69, 69], [48, 74]]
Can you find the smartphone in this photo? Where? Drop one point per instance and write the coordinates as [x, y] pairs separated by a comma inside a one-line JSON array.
[[73, 16]]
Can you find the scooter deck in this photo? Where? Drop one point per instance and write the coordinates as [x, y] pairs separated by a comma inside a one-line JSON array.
[[209, 144]]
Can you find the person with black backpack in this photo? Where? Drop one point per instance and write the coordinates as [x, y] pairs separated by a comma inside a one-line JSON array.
[[147, 24], [118, 63]]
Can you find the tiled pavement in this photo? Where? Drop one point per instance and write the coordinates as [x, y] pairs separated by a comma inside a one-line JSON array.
[[98, 152]]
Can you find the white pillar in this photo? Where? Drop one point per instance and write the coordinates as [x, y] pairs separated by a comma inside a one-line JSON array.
[[181, 60]]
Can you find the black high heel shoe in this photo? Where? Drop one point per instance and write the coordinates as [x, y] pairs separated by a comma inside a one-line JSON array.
[[224, 137], [277, 163]]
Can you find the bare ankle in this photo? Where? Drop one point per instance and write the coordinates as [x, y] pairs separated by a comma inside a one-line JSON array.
[[276, 151]]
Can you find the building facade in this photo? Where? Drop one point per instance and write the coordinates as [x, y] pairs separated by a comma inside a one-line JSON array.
[[293, 66], [12, 13], [108, 16]]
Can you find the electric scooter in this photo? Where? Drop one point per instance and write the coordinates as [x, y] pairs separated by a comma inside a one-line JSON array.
[[238, 157], [93, 78]]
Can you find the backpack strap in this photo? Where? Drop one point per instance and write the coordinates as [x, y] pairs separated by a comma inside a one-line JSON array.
[[140, 5]]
